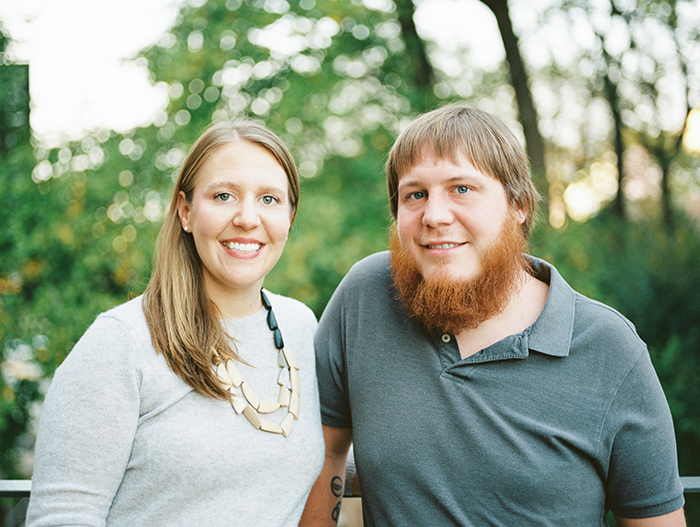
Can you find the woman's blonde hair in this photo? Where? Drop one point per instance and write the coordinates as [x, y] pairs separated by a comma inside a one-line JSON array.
[[183, 321], [481, 137]]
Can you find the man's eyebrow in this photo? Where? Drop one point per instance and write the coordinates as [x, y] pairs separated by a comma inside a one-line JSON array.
[[454, 179]]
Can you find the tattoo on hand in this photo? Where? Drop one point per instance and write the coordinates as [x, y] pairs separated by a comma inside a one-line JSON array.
[[336, 512], [337, 486]]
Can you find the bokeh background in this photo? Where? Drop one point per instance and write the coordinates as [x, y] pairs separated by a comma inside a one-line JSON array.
[[604, 94]]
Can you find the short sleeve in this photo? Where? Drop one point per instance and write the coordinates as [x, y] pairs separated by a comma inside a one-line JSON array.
[[643, 476], [330, 363], [86, 430]]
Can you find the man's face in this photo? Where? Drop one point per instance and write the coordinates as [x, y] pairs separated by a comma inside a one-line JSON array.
[[449, 214]]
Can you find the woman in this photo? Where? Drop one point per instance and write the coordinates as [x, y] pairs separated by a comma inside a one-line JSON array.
[[195, 404]]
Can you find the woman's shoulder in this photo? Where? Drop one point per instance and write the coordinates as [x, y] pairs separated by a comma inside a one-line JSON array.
[[129, 315], [129, 309], [116, 337], [122, 329]]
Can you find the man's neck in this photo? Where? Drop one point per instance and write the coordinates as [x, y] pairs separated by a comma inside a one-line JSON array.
[[521, 311]]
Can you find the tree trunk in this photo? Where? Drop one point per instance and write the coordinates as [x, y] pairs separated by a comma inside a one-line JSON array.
[[677, 145], [666, 208], [520, 81], [613, 97], [421, 69]]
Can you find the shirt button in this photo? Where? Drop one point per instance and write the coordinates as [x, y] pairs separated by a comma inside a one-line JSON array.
[[446, 337]]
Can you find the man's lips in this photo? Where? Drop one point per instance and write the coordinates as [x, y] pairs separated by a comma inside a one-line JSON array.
[[442, 245]]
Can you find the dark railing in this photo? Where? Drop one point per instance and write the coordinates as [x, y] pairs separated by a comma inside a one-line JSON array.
[[20, 488], [691, 484], [15, 488]]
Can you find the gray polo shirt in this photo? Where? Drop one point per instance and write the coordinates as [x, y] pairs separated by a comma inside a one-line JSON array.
[[552, 426]]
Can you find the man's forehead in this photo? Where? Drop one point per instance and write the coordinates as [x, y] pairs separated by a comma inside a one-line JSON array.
[[457, 160], [451, 153]]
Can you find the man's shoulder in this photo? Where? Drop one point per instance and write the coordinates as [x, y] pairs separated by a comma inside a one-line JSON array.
[[368, 282], [373, 267], [601, 329], [591, 312]]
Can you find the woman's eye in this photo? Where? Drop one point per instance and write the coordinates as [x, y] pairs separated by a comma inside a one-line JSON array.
[[223, 196], [462, 189], [269, 200], [416, 195]]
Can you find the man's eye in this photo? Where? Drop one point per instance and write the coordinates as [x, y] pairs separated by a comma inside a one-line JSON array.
[[224, 196], [269, 200], [416, 195], [462, 189]]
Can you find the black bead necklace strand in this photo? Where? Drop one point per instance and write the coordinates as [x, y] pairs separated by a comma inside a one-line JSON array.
[[272, 321]]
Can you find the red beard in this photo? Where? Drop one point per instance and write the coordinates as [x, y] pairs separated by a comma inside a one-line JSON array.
[[449, 305]]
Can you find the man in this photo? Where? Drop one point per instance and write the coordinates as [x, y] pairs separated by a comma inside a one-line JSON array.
[[477, 387]]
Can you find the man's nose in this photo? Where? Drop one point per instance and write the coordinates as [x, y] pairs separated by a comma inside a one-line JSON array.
[[437, 212]]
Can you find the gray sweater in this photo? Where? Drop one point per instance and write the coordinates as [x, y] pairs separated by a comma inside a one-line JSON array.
[[123, 441]]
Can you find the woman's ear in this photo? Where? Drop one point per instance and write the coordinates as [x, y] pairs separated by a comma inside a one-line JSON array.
[[183, 211]]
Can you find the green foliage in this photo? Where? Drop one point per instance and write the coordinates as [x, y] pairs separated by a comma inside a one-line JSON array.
[[20, 374]]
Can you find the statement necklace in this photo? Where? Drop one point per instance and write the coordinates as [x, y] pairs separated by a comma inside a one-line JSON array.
[[245, 401]]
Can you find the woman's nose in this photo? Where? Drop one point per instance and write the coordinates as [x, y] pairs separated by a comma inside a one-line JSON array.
[[246, 215]]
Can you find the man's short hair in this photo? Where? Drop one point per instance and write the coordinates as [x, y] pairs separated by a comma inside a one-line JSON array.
[[481, 137]]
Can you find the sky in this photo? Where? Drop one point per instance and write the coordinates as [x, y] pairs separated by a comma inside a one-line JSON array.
[[79, 51]]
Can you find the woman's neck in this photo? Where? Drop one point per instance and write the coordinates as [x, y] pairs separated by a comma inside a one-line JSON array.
[[237, 303]]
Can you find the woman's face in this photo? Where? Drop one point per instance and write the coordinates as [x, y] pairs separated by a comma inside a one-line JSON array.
[[239, 217]]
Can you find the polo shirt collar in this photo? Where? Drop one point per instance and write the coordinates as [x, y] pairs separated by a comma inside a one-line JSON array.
[[552, 331]]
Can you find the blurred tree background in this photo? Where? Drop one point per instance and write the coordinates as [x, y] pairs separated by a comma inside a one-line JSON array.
[[601, 93]]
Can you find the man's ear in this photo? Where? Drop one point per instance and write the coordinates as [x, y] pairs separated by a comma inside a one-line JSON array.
[[520, 215]]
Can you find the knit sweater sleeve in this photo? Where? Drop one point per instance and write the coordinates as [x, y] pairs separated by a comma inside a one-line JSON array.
[[86, 430]]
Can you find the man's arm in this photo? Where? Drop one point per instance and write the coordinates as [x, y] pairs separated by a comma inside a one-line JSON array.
[[673, 519], [323, 505]]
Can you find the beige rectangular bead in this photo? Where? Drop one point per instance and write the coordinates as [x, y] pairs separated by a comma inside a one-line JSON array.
[[287, 424], [283, 378], [234, 374], [250, 395], [291, 360], [269, 426], [252, 416], [267, 407], [222, 374], [294, 405], [294, 378], [238, 403], [284, 396]]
